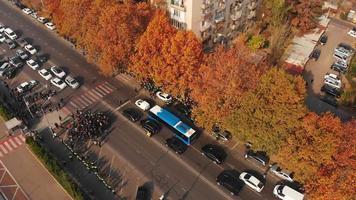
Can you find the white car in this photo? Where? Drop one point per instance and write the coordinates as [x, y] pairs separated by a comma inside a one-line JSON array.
[[34, 15], [2, 38], [285, 192], [331, 76], [333, 83], [32, 64], [42, 19], [27, 11], [58, 72], [164, 96], [45, 74], [286, 175], [30, 49], [10, 33], [352, 32], [142, 104], [251, 181], [2, 28], [71, 82], [50, 26], [58, 83], [25, 86]]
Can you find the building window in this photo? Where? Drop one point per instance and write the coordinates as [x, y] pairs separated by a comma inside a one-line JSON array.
[[177, 2], [178, 25], [176, 13]]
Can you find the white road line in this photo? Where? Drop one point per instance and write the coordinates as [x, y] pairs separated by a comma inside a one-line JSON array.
[[22, 138], [13, 143], [66, 110], [85, 99], [1, 155], [8, 146], [97, 93], [3, 149], [82, 103], [18, 141], [90, 97], [110, 86], [93, 95], [104, 89], [74, 105], [100, 91]]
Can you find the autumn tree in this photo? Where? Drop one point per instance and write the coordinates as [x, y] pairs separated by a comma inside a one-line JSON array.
[[304, 14], [267, 115], [147, 60], [335, 180], [311, 146], [222, 80]]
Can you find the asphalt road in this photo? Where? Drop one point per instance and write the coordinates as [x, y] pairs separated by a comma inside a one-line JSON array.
[[190, 176]]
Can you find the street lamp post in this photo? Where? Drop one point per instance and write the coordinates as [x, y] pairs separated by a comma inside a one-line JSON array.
[[44, 114]]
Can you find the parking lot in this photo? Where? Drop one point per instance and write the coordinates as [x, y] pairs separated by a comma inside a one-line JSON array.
[[316, 70]]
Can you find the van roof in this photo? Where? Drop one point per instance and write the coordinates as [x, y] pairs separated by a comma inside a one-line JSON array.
[[291, 194]]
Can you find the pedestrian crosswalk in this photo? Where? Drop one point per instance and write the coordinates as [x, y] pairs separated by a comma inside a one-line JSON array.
[[11, 143], [89, 97]]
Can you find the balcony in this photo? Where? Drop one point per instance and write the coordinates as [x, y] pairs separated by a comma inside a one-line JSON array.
[[221, 6], [252, 5], [236, 16], [207, 4], [251, 15], [219, 17], [178, 4], [205, 26], [207, 9]]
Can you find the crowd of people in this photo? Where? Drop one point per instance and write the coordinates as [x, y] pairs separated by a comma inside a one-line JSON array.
[[87, 125]]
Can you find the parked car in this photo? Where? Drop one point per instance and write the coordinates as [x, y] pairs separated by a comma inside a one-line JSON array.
[[10, 43], [50, 26], [164, 97], [283, 174], [32, 64], [352, 32], [43, 20], [30, 49], [26, 86], [58, 83], [331, 90], [34, 15], [22, 54], [27, 11], [10, 33], [16, 61], [329, 100], [46, 74], [41, 58], [22, 42], [337, 66], [333, 83], [151, 126], [218, 134], [315, 54], [132, 114], [10, 72], [323, 39], [58, 71], [2, 28], [142, 104], [214, 153], [285, 192], [251, 181], [258, 156], [2, 38], [3, 68], [346, 47], [176, 145], [230, 180], [72, 82]]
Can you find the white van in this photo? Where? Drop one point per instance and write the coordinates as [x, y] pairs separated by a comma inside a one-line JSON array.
[[340, 56], [286, 193], [10, 33]]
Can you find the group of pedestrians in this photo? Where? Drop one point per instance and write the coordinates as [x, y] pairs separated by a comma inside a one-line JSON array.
[[87, 125]]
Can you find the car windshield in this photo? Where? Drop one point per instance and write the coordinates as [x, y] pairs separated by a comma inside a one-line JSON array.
[[247, 176], [60, 82]]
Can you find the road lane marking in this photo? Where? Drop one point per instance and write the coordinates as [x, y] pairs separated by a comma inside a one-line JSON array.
[[93, 95], [3, 149], [85, 99], [82, 103], [103, 89], [8, 146], [1, 155], [13, 143], [109, 85], [73, 104], [18, 141], [22, 138], [100, 91], [87, 95], [97, 93]]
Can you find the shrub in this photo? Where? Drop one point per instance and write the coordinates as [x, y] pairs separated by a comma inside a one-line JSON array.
[[4, 113]]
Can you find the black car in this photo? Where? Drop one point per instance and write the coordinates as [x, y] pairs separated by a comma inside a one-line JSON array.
[[214, 152], [176, 145], [338, 68], [142, 193], [151, 126], [16, 61], [323, 39], [230, 180], [10, 43], [258, 156], [329, 100], [331, 90], [132, 114], [315, 54], [10, 72], [41, 58]]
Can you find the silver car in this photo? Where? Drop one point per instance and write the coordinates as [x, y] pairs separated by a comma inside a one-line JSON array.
[[283, 174]]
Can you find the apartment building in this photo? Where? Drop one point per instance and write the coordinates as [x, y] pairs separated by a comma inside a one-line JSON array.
[[213, 21]]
